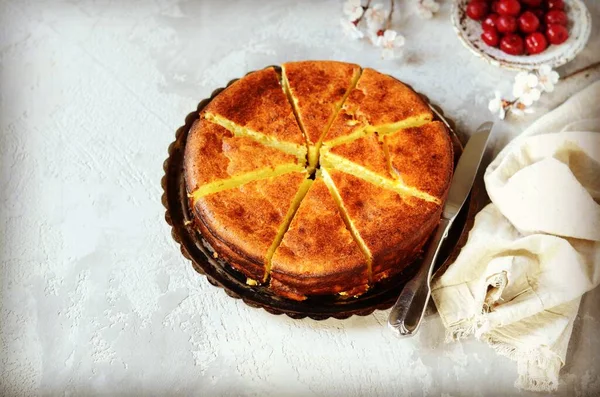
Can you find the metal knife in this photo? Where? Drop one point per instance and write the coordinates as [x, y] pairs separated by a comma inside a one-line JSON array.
[[408, 311]]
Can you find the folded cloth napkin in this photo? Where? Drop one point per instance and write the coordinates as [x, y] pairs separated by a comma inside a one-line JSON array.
[[535, 250]]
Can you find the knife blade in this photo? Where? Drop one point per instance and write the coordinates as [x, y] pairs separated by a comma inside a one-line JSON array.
[[407, 313]]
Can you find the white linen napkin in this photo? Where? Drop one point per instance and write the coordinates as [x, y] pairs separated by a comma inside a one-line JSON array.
[[535, 250]]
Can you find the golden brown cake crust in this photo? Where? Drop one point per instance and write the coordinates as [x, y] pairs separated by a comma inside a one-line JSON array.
[[252, 269], [393, 228], [257, 101], [318, 254], [318, 86], [367, 152], [377, 99], [213, 153], [423, 157], [383, 99], [247, 218]]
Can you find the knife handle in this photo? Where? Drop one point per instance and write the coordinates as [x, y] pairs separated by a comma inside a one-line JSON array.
[[406, 314]]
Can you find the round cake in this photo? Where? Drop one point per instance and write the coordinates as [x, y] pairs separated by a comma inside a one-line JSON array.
[[317, 178]]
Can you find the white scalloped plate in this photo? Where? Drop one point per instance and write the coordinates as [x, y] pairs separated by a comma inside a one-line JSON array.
[[580, 26]]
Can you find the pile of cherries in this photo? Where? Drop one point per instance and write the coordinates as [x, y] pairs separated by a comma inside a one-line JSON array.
[[520, 26]]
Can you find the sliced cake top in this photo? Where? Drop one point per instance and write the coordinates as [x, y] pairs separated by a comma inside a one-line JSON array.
[[366, 152], [384, 172], [318, 251], [214, 157], [422, 157], [317, 90], [388, 224], [377, 103], [257, 102], [248, 218]]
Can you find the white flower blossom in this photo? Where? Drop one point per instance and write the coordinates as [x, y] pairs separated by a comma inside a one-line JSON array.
[[375, 16], [351, 30], [496, 105], [426, 8], [353, 9], [389, 41], [547, 78], [521, 110], [525, 88], [373, 36]]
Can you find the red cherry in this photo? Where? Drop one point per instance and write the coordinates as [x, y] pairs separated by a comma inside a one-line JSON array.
[[532, 3], [495, 6], [557, 34], [556, 4], [490, 37], [477, 9], [528, 22], [509, 7], [512, 44], [506, 24], [556, 17], [538, 13], [490, 22], [535, 43]]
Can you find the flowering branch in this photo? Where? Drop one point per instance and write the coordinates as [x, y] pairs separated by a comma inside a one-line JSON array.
[[365, 8], [527, 89], [378, 26], [546, 79], [503, 106], [388, 24]]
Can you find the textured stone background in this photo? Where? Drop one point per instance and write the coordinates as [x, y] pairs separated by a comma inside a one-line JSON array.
[[95, 297]]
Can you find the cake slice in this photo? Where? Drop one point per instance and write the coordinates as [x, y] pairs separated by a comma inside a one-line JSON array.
[[414, 162], [391, 228], [365, 159], [317, 90], [366, 152], [377, 103], [216, 160], [318, 254], [422, 157], [246, 223], [256, 107]]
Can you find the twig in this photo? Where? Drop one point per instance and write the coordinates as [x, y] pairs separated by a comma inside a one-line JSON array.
[[582, 70], [508, 105], [365, 8], [388, 23]]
